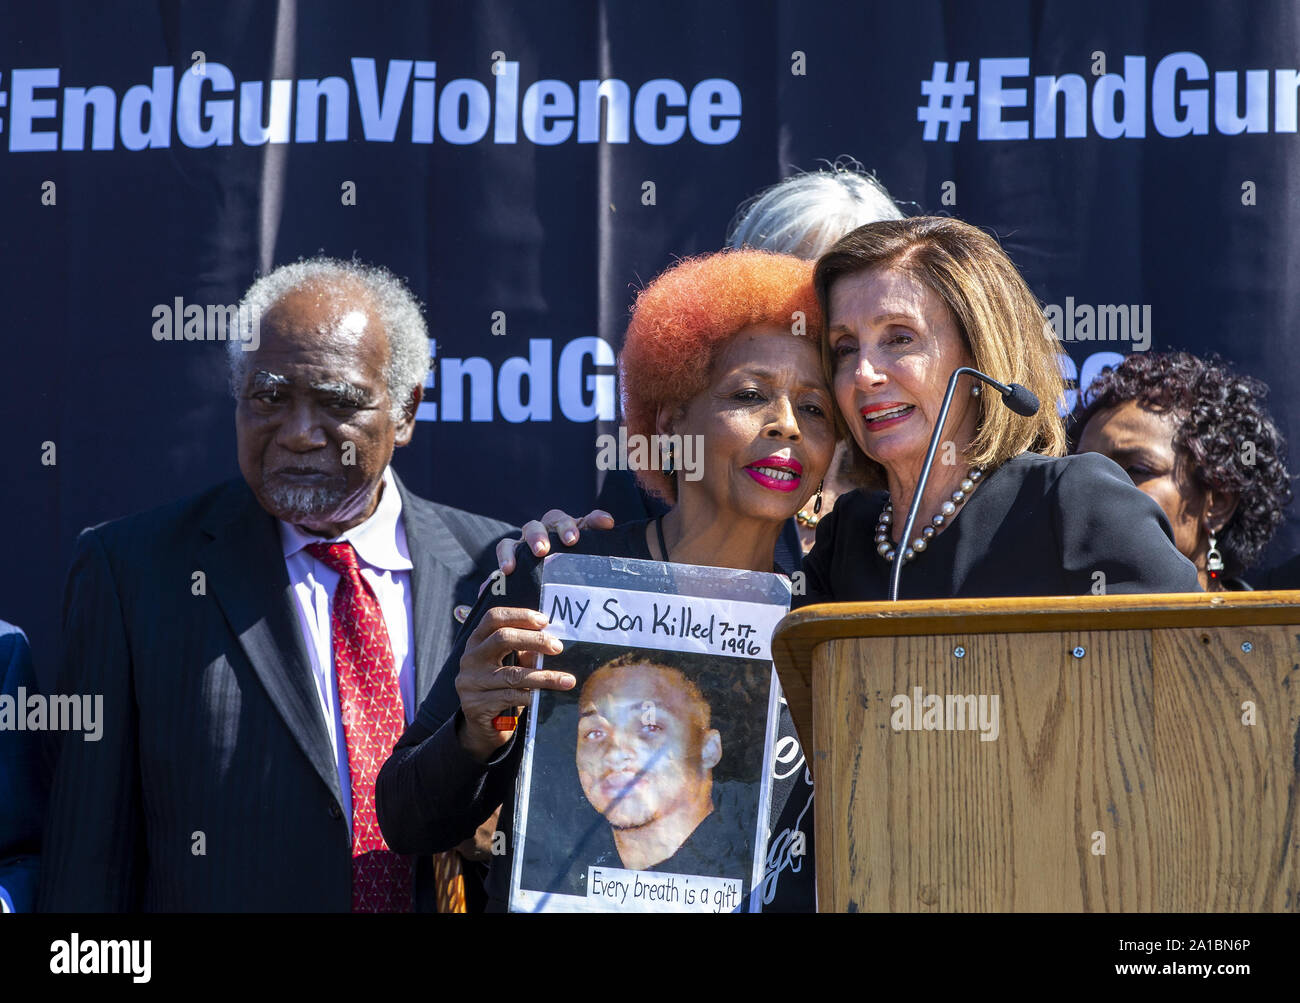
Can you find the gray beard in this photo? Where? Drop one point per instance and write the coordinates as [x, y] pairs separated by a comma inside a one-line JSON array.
[[299, 504]]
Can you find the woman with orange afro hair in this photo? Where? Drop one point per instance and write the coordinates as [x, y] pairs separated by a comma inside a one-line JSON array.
[[730, 420], [685, 320]]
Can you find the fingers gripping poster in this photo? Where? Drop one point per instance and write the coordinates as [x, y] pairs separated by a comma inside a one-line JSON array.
[[647, 787]]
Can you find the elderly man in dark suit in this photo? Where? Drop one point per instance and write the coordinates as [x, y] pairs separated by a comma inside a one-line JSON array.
[[260, 647]]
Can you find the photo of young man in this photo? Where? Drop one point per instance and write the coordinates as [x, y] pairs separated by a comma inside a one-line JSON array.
[[645, 756]]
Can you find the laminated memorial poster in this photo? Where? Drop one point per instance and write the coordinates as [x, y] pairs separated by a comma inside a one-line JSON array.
[[647, 787]]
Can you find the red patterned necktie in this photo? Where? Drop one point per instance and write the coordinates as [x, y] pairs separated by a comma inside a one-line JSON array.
[[371, 704]]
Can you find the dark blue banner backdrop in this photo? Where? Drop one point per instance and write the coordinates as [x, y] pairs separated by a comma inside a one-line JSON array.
[[497, 155]]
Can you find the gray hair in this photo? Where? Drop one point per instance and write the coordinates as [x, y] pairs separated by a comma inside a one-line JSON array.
[[399, 313], [806, 213]]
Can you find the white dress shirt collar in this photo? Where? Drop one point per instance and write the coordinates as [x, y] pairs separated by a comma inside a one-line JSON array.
[[380, 541]]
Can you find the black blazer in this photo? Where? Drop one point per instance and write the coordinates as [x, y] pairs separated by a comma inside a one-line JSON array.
[[1036, 526], [213, 787]]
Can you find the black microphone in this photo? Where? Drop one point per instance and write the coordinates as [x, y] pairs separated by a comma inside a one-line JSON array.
[[1014, 396]]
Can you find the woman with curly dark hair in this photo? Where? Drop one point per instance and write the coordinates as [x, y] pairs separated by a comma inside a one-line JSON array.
[[1197, 437]]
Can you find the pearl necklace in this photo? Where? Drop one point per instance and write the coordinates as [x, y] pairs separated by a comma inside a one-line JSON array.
[[885, 547]]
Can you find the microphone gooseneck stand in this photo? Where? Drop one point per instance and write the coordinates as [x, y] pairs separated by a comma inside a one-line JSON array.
[[1014, 396]]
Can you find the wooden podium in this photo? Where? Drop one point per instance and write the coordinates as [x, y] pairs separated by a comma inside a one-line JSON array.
[[1146, 754]]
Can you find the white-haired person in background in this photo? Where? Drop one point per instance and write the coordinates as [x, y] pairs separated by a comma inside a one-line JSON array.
[[803, 215], [808, 212]]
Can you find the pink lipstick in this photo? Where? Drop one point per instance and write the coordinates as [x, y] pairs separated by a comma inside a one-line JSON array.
[[777, 473]]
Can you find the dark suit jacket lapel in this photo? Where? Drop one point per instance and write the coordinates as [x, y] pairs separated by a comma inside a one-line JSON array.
[[439, 563], [247, 577]]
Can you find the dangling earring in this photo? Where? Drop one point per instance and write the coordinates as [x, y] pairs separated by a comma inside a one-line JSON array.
[[811, 520], [669, 468], [975, 390], [1213, 560]]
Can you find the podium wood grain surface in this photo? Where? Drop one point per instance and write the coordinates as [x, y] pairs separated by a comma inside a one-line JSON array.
[[1124, 776]]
